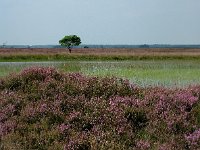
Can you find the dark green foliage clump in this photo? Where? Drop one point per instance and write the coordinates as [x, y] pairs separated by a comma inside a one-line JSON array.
[[69, 41], [137, 119]]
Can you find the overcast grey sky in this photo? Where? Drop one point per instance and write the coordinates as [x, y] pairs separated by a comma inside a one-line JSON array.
[[100, 21]]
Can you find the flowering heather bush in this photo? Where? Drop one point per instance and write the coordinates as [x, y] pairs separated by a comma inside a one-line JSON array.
[[193, 139], [42, 108]]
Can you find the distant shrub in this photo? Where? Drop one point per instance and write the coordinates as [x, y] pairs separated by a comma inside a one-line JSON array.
[[86, 47]]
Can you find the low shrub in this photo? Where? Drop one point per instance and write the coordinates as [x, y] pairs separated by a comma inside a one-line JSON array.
[[42, 108]]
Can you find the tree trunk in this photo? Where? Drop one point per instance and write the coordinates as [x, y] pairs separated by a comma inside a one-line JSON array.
[[70, 50]]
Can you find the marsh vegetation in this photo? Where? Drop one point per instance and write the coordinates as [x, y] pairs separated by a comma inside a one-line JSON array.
[[143, 73]]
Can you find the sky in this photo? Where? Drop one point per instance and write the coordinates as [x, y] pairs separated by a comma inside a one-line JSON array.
[[35, 22]]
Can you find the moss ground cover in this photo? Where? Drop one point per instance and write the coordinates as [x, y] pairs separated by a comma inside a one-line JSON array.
[[43, 108]]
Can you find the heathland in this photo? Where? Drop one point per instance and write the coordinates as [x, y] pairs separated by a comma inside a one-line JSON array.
[[120, 99], [58, 54]]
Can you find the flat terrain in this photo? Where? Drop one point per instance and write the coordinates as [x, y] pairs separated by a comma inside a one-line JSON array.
[[154, 67], [103, 51]]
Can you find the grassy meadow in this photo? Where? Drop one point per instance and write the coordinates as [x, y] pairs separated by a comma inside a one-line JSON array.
[[167, 73]]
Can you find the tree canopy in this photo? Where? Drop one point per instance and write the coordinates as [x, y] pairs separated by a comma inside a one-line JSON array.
[[69, 41]]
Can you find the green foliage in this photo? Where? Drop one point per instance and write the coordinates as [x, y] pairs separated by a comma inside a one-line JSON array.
[[70, 41], [137, 119]]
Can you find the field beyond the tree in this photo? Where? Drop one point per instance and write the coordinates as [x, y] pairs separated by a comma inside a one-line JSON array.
[[43, 108], [60, 54]]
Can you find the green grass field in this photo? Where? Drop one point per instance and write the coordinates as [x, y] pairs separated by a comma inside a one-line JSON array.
[[141, 72]]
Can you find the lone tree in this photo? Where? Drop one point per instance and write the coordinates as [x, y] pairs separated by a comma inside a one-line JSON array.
[[70, 41]]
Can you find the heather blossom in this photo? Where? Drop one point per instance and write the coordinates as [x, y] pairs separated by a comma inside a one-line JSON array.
[[193, 139], [42, 108], [63, 127], [7, 127], [143, 145], [3, 116], [74, 115]]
